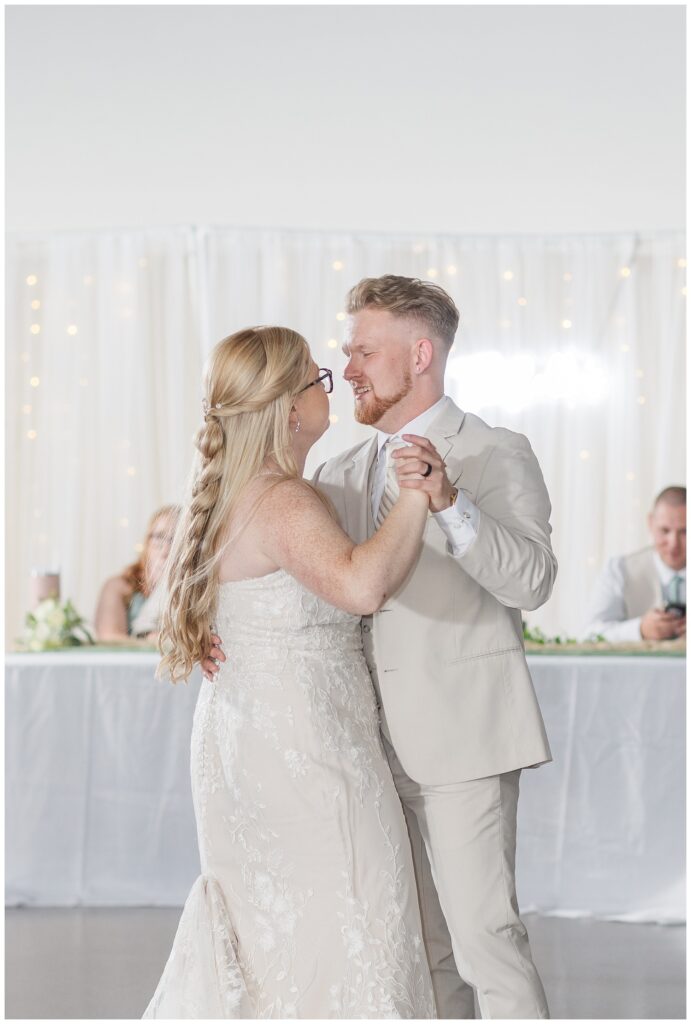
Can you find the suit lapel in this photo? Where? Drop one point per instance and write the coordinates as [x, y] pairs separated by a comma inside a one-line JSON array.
[[355, 480], [443, 432]]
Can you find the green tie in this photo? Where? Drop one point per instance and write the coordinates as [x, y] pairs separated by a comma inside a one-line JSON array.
[[673, 589]]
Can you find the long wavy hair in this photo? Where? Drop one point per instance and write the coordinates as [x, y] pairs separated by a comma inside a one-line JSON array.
[[136, 575], [251, 381]]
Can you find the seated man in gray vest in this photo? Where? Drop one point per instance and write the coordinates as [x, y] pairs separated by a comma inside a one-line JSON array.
[[642, 596]]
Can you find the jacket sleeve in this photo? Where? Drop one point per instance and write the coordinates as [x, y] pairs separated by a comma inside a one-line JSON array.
[[511, 556]]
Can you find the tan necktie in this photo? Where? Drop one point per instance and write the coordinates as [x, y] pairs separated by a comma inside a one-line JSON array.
[[391, 488]]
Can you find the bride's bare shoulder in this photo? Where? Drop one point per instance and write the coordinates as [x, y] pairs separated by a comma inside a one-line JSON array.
[[291, 500]]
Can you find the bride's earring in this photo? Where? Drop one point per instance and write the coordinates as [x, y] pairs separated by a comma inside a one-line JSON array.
[[298, 426]]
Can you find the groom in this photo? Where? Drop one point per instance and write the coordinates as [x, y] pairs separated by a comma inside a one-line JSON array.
[[459, 715]]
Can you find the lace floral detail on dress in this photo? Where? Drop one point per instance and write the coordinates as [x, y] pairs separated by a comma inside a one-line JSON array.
[[302, 838]]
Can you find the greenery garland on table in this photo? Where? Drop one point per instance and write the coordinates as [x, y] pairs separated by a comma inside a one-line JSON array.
[[537, 642], [534, 635]]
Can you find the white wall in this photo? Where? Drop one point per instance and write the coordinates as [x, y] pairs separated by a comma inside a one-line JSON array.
[[457, 119]]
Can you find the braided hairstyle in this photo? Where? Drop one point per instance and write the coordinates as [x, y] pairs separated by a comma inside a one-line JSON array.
[[251, 381]]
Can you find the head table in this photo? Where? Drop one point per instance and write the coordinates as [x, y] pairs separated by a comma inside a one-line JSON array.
[[99, 807]]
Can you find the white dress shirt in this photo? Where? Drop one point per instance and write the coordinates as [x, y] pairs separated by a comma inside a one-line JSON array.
[[608, 609], [460, 522]]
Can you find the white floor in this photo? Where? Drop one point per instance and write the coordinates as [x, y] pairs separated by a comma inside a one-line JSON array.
[[105, 963]]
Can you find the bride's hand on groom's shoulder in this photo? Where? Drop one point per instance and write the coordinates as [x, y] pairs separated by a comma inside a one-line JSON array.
[[420, 467], [215, 655]]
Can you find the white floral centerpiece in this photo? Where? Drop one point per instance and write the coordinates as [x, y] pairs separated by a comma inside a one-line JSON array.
[[52, 625]]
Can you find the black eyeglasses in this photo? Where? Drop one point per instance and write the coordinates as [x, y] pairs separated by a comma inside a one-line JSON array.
[[325, 377]]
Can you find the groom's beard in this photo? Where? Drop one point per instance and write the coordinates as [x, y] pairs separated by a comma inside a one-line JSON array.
[[370, 410]]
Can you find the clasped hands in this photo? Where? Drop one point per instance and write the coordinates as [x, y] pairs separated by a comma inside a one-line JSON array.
[[413, 462]]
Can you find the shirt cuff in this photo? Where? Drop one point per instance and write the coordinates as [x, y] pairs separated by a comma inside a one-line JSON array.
[[460, 524]]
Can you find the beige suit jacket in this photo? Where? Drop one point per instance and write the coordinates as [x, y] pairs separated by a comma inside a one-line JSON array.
[[449, 662]]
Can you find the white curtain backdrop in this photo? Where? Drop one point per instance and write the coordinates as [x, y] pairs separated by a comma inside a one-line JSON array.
[[575, 341]]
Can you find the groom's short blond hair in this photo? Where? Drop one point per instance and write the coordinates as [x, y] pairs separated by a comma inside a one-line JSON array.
[[408, 297]]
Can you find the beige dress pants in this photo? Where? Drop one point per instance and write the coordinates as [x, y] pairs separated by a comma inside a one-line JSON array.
[[463, 838]]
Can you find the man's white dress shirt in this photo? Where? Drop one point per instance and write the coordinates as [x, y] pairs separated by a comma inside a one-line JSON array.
[[460, 522]]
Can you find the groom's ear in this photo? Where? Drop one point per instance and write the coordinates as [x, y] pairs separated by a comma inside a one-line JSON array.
[[423, 354]]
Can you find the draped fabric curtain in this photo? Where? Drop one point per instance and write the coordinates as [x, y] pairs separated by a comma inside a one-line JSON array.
[[575, 341]]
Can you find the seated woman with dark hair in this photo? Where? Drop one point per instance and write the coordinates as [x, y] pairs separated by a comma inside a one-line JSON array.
[[123, 597]]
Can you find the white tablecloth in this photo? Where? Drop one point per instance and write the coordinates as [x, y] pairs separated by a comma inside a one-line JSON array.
[[99, 808]]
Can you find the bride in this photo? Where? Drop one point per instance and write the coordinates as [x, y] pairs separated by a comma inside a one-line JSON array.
[[306, 905]]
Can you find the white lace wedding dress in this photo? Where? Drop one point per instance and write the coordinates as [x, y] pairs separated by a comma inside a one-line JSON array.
[[306, 905]]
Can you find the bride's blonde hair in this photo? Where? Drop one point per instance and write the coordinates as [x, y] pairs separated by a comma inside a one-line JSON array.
[[251, 381]]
